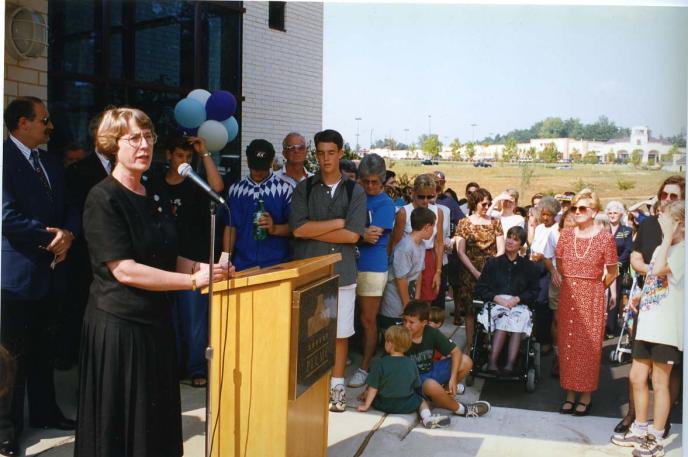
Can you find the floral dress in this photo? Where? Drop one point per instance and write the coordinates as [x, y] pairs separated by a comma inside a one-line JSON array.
[[481, 243], [582, 307]]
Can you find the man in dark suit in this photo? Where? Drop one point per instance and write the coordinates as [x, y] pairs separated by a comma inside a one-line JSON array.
[[38, 227], [81, 177]]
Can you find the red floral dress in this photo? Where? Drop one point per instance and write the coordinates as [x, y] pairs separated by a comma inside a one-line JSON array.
[[582, 307]]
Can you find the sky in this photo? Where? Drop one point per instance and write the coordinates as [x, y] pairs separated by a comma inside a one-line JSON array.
[[443, 67]]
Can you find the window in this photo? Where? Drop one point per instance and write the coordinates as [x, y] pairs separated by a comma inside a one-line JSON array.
[[276, 12], [145, 53]]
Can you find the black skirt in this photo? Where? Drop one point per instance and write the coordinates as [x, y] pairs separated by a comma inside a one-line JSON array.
[[129, 403]]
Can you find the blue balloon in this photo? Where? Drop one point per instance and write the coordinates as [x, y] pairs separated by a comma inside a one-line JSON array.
[[189, 113], [220, 105], [232, 127]]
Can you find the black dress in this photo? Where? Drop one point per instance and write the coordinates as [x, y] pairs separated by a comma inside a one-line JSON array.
[[129, 403]]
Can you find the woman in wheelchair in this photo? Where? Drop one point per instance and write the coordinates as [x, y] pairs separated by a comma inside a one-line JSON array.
[[510, 282]]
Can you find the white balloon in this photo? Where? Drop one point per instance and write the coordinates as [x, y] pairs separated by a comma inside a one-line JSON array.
[[199, 94], [215, 135]]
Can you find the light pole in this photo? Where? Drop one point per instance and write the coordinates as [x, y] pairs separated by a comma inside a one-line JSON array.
[[429, 124], [371, 138], [474, 126], [406, 136], [358, 124]]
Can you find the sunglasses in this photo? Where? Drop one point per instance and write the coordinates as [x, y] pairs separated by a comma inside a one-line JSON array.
[[484, 204], [295, 147], [425, 197], [668, 196], [45, 120], [580, 208]]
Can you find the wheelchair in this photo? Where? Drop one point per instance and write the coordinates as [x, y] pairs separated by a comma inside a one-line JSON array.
[[527, 368]]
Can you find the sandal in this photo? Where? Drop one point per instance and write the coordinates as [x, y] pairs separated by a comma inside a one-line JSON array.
[[199, 382], [564, 410], [585, 411]]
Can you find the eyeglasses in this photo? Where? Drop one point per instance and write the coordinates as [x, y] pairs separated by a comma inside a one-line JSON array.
[[581, 208], [371, 182], [45, 120], [295, 147], [425, 197], [135, 140], [669, 196], [485, 204]]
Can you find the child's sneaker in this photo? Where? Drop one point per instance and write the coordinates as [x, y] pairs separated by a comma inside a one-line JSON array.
[[649, 448], [477, 409], [633, 437], [460, 389], [338, 399], [359, 378], [436, 421]]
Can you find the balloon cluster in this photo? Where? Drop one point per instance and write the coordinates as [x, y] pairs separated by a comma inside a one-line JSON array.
[[209, 116]]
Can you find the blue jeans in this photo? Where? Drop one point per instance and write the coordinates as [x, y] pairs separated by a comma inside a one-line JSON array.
[[190, 320]]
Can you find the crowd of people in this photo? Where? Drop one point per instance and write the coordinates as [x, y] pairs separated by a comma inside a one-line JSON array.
[[107, 256]]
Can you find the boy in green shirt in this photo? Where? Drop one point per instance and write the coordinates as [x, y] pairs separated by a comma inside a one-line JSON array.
[[450, 370], [393, 382]]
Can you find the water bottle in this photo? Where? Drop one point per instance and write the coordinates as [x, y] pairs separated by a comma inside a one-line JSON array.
[[259, 233]]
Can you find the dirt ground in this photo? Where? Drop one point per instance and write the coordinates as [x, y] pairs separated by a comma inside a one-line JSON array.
[[611, 182]]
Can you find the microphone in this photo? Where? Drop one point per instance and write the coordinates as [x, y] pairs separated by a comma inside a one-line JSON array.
[[186, 171]]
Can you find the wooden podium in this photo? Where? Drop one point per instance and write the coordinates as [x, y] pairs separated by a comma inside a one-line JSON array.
[[272, 335]]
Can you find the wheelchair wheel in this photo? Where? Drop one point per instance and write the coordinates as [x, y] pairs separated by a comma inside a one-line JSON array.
[[614, 355], [536, 360], [530, 381], [469, 381]]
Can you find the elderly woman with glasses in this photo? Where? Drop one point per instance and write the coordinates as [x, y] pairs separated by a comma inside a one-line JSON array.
[[587, 261], [129, 400], [373, 259], [623, 237], [478, 237], [424, 192]]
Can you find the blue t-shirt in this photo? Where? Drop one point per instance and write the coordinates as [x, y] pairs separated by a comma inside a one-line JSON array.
[[243, 203], [381, 212]]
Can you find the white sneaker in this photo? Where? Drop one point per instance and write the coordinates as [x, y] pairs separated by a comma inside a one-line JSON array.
[[359, 378], [436, 421], [650, 448], [460, 389], [338, 398]]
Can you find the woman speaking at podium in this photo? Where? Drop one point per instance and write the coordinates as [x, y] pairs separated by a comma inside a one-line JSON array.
[[128, 388]]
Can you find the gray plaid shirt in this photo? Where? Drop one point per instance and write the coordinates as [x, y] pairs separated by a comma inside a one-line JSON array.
[[320, 207]]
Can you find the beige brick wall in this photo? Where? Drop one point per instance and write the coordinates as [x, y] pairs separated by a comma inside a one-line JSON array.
[[28, 76]]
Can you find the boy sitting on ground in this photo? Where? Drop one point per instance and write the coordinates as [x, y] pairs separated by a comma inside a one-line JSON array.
[[450, 370], [393, 382], [405, 268]]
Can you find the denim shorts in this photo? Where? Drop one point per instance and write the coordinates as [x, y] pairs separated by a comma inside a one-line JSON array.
[[440, 372]]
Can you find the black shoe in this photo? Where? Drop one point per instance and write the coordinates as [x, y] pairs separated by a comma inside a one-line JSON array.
[[61, 423], [622, 427], [9, 448], [586, 409], [667, 430]]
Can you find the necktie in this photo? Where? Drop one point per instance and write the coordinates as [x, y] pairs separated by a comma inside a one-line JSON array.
[[41, 174]]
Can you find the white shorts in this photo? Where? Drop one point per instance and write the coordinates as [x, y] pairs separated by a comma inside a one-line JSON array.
[[345, 311], [371, 283]]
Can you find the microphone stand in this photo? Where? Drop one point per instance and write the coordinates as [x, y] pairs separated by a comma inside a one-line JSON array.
[[209, 349]]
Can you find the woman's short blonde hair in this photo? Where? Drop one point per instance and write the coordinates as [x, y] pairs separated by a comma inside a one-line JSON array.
[[587, 194], [424, 182], [399, 337], [114, 124]]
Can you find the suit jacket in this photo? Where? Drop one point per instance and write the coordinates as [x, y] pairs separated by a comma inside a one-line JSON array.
[[26, 212]]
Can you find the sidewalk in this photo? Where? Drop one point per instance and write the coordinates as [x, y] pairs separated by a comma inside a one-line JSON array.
[[503, 432]]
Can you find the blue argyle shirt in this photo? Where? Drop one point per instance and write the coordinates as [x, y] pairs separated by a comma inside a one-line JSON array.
[[243, 202]]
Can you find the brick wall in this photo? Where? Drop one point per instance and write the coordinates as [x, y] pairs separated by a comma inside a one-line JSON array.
[[282, 74], [28, 76]]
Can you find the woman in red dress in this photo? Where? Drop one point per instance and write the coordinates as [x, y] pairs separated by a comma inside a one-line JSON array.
[[586, 260]]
